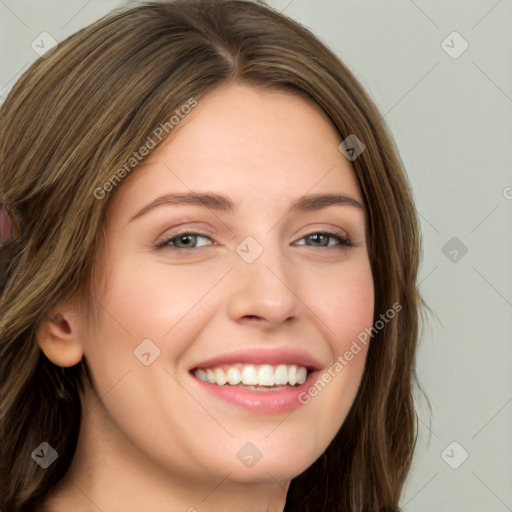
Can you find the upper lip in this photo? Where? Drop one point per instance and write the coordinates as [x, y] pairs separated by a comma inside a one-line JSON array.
[[258, 355]]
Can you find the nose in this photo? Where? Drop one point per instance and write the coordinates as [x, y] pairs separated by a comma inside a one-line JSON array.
[[264, 291]]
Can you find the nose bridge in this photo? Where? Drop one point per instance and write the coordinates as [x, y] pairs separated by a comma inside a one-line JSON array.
[[264, 283]]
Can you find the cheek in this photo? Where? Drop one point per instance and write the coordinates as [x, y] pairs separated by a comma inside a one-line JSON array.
[[146, 300], [345, 306], [150, 299], [344, 301]]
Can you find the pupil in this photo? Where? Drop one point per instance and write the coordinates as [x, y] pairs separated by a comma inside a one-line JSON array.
[[317, 237], [184, 238]]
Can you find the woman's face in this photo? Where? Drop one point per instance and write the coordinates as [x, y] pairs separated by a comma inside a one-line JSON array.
[[255, 289]]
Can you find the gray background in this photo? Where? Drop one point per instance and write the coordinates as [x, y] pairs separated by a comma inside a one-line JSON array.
[[452, 121]]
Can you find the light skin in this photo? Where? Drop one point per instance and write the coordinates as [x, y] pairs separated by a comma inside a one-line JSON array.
[[151, 437]]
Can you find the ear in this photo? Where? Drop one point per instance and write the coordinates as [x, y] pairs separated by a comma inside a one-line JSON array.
[[59, 337]]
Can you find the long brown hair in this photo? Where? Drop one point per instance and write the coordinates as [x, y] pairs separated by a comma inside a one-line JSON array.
[[75, 117]]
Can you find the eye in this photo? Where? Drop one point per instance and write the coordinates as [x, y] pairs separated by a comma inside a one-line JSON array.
[[324, 236], [176, 242], [187, 241]]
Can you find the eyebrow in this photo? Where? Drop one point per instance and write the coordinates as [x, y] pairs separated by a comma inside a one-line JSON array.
[[223, 203]]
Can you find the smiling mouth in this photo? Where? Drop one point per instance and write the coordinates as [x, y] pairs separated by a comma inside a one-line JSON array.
[[263, 377]]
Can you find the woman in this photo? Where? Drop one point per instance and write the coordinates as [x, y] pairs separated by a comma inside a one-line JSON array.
[[254, 370]]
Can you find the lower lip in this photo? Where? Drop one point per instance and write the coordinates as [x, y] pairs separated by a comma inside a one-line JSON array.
[[264, 402]]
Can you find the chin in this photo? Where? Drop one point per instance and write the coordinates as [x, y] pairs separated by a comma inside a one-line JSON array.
[[261, 462]]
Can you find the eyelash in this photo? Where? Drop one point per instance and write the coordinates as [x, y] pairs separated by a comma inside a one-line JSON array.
[[164, 244]]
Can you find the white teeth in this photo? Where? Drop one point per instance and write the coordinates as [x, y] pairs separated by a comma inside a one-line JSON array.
[[201, 374], [281, 375], [233, 376], [266, 375], [302, 375], [220, 376], [254, 375], [250, 375], [292, 375]]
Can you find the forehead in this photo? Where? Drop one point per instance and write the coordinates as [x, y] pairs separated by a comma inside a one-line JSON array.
[[255, 145]]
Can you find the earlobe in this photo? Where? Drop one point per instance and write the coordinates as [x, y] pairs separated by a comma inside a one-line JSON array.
[[58, 338]]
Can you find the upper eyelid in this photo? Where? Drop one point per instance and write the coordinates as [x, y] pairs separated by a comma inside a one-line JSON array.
[[197, 230], [329, 231]]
